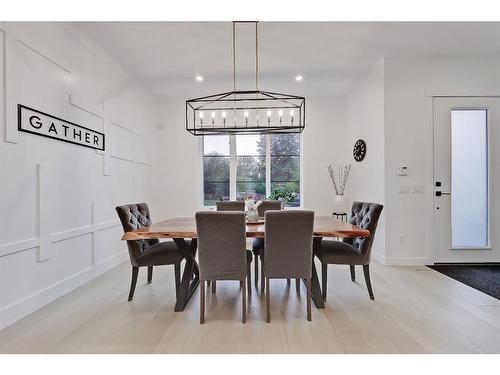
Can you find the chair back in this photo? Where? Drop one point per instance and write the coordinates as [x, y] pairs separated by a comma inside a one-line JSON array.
[[221, 245], [268, 205], [288, 244], [134, 216], [364, 215], [230, 206]]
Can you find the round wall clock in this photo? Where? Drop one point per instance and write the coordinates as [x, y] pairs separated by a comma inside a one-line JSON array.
[[359, 150]]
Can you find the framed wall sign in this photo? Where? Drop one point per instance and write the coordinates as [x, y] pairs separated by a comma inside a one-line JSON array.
[[35, 122]]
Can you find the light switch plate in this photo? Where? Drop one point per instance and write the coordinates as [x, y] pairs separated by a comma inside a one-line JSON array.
[[404, 189], [418, 189]]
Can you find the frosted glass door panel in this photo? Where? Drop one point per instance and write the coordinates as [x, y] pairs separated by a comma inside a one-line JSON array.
[[469, 178]]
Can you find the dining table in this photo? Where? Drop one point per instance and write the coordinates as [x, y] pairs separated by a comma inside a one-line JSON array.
[[182, 229]]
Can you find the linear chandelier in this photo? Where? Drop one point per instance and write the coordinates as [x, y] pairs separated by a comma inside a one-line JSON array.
[[248, 111]]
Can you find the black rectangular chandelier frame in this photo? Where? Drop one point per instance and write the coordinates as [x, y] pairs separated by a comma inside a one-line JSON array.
[[245, 112]]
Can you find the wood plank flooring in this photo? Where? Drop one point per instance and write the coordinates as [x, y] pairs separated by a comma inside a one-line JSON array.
[[416, 310]]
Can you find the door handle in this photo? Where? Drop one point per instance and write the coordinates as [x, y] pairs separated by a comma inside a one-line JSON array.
[[440, 193]]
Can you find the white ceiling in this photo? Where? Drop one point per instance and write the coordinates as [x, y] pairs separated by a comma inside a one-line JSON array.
[[332, 56]]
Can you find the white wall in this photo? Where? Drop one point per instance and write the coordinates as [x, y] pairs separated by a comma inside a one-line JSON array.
[[409, 87], [181, 169], [365, 120], [58, 227]]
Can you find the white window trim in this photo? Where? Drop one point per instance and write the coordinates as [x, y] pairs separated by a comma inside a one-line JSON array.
[[232, 171]]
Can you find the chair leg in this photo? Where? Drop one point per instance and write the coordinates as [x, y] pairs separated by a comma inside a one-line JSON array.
[[366, 271], [135, 272], [309, 284], [256, 273], [262, 281], [268, 301], [150, 274], [353, 272], [324, 279], [297, 285], [244, 302], [249, 278], [213, 287], [177, 271], [202, 303]]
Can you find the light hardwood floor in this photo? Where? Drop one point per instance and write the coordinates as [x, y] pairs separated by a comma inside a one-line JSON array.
[[416, 310]]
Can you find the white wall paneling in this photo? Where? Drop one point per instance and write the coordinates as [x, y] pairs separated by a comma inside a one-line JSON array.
[[62, 229]]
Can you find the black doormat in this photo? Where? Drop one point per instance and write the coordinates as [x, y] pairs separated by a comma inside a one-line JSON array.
[[485, 278]]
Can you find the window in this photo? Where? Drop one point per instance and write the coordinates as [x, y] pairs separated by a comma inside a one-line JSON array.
[[250, 166], [285, 165], [215, 169], [469, 178], [258, 165]]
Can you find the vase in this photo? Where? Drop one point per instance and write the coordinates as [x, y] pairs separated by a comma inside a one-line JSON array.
[[339, 204], [252, 216]]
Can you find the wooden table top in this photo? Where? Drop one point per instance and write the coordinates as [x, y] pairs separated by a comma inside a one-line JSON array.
[[324, 226]]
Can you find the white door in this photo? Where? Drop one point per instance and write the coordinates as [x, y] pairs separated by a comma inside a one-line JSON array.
[[466, 131]]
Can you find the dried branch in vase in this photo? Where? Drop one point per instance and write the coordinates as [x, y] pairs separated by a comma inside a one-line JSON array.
[[339, 177]]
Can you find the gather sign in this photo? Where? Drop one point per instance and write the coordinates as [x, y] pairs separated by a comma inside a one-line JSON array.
[[35, 122]]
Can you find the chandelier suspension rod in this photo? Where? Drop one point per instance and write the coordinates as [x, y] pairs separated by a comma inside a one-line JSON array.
[[234, 68], [256, 56]]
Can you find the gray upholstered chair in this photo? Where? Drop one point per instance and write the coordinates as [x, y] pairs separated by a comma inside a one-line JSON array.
[[352, 251], [258, 243], [288, 250], [222, 251], [147, 253], [230, 206]]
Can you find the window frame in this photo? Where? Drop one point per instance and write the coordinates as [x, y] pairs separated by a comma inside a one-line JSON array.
[[233, 170]]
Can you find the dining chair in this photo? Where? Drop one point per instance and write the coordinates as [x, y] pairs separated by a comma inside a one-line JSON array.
[[352, 251], [147, 253], [258, 243], [288, 250], [231, 206], [222, 251]]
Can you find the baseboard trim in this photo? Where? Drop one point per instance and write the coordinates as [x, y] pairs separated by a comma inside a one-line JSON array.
[[379, 258], [407, 261], [27, 305]]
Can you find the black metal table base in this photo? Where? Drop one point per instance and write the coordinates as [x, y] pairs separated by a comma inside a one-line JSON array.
[[191, 275], [316, 294]]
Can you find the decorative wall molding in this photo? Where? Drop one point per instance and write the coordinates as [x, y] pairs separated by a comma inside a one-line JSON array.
[[145, 163], [11, 93], [80, 102], [44, 55], [18, 246], [30, 243], [123, 158], [43, 213]]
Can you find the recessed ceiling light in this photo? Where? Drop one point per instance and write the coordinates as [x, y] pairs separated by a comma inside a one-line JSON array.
[[299, 78], [199, 78]]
